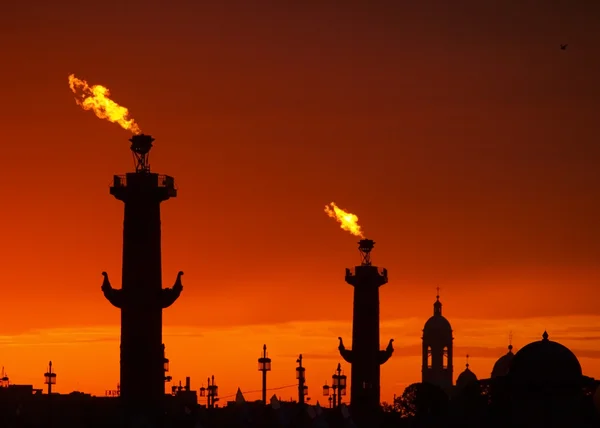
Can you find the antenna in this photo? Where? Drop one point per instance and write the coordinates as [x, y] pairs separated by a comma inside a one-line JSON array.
[[140, 147]]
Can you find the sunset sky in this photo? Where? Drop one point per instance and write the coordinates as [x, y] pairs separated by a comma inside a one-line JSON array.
[[463, 137]]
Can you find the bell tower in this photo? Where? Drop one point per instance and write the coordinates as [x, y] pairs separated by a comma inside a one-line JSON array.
[[437, 348]]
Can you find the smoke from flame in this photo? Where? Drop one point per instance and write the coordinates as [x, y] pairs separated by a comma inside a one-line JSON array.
[[348, 221], [96, 98]]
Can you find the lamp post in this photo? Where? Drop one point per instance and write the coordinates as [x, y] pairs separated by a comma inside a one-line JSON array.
[[301, 376], [50, 378], [338, 384], [211, 393], [264, 366], [4, 379], [166, 366]]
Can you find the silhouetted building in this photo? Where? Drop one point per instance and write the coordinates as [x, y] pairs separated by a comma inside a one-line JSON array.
[[466, 377], [365, 356], [141, 297], [546, 385], [437, 349]]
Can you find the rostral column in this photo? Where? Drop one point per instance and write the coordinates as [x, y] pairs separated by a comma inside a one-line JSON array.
[[141, 298]]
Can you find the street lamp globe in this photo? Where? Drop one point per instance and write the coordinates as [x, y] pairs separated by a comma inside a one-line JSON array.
[[335, 380], [342, 381], [49, 377], [264, 364]]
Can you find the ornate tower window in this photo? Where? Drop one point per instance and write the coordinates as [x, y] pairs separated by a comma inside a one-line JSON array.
[[429, 358]]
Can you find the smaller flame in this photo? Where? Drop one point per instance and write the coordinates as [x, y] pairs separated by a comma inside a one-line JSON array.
[[96, 98], [348, 221]]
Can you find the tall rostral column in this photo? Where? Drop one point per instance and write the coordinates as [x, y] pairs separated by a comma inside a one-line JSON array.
[[141, 297], [365, 356]]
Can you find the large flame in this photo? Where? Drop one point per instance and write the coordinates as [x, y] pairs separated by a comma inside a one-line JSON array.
[[96, 98], [348, 221]]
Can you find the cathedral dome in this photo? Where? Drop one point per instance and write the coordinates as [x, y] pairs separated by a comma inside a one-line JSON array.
[[437, 325], [545, 362], [502, 366]]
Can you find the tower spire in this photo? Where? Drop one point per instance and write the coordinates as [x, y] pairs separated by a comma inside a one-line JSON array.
[[467, 365], [510, 347], [437, 306]]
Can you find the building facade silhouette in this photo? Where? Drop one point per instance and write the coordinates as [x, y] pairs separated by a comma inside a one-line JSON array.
[[141, 298], [437, 342], [365, 356]]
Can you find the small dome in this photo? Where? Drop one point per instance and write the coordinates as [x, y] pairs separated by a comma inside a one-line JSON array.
[[466, 377], [545, 362], [502, 366]]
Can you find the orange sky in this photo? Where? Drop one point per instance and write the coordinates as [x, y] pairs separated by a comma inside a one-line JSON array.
[[462, 136]]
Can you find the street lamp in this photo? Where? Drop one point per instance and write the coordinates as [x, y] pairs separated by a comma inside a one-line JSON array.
[[264, 366], [176, 389], [166, 366], [50, 378], [211, 393], [338, 384], [4, 379], [301, 376]]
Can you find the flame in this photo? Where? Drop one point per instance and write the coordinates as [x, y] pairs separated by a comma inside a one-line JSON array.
[[96, 98], [348, 221]]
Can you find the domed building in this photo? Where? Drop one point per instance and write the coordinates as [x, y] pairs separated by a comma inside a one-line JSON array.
[[466, 377], [545, 363], [546, 385], [437, 349], [502, 366]]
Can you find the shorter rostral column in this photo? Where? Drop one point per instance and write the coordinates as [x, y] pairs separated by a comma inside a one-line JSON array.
[[141, 298], [365, 356]]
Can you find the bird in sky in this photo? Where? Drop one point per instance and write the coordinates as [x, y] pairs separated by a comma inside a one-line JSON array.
[[564, 47]]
